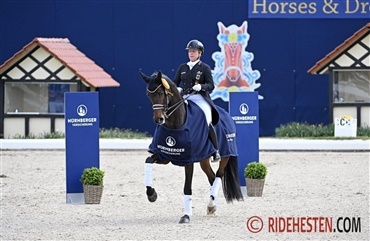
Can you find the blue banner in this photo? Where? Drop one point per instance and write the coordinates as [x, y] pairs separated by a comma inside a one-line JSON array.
[[309, 9], [82, 139], [243, 108]]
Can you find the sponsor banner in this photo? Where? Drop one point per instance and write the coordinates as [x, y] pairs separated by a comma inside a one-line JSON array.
[[309, 9], [82, 139], [243, 108]]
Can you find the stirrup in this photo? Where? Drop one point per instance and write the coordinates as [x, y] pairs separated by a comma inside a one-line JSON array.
[[216, 156]]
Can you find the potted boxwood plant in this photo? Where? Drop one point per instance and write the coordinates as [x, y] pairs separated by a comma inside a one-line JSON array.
[[255, 174], [92, 180]]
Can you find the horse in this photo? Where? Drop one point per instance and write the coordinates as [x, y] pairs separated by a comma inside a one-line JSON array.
[[172, 113]]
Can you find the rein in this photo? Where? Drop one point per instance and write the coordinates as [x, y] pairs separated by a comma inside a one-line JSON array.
[[168, 111]]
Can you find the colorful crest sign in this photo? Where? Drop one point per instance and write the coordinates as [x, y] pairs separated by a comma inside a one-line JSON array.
[[233, 71]]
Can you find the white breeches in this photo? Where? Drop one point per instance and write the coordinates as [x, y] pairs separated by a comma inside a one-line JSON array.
[[203, 104]]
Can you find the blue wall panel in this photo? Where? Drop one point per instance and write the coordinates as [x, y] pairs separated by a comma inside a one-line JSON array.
[[125, 36], [21, 22]]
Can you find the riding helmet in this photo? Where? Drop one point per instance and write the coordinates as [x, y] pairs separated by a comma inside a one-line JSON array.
[[195, 44]]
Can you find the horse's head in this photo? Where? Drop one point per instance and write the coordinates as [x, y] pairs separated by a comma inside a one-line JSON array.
[[162, 93]]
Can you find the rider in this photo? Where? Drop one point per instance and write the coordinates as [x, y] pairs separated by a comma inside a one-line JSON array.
[[197, 75]]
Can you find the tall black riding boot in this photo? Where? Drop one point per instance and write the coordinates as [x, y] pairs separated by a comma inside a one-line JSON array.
[[213, 137]]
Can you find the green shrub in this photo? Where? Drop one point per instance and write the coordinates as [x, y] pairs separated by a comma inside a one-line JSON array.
[[295, 129], [92, 176], [363, 131], [255, 170], [103, 133], [122, 134], [304, 130], [45, 135], [54, 135]]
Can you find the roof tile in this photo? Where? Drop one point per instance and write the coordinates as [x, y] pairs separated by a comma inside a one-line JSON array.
[[324, 62], [70, 56]]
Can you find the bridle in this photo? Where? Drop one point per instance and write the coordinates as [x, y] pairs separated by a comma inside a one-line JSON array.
[[167, 110]]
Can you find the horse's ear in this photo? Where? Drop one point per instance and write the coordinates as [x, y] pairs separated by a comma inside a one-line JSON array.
[[145, 78], [159, 76]]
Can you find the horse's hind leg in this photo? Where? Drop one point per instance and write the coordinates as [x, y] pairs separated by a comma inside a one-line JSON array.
[[207, 169], [216, 185], [212, 204]]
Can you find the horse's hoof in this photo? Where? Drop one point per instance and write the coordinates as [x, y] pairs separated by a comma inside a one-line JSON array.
[[153, 196], [185, 219], [211, 208]]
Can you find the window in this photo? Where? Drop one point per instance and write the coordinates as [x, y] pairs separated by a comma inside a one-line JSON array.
[[351, 86], [36, 98]]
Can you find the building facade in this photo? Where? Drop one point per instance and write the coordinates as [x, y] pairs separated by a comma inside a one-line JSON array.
[[33, 83]]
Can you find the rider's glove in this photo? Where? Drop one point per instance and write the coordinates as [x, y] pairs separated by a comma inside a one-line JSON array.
[[180, 90], [197, 87]]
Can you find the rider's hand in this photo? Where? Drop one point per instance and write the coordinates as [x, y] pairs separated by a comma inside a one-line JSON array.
[[197, 87], [180, 90]]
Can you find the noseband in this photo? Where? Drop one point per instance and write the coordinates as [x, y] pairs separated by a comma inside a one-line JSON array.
[[161, 106], [167, 110]]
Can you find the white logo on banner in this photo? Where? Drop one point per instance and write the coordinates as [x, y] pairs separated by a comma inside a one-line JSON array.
[[81, 110], [244, 118], [170, 141], [244, 108]]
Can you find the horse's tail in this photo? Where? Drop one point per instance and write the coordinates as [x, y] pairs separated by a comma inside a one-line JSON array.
[[230, 181]]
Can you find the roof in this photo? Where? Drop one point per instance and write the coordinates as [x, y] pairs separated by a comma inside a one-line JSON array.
[[71, 57], [321, 66]]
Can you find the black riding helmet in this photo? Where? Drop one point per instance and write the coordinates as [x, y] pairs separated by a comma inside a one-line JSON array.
[[195, 44]]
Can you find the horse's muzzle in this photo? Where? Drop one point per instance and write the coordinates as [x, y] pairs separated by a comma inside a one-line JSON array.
[[159, 120]]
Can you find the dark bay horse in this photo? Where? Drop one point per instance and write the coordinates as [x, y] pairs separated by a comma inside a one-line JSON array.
[[181, 137]]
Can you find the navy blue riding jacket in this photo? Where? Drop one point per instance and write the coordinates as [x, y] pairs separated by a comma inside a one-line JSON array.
[[199, 74]]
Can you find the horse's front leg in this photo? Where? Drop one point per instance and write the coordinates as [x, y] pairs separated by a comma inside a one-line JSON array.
[[148, 177], [189, 169]]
